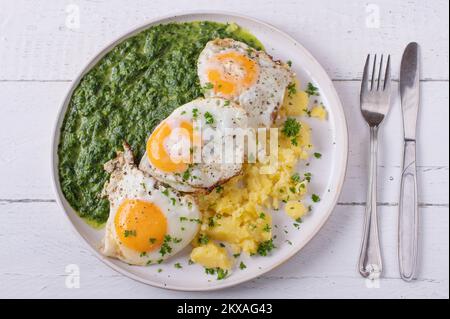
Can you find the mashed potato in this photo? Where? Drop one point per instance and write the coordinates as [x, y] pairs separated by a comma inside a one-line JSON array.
[[211, 255], [236, 213], [295, 209], [295, 104], [319, 112]]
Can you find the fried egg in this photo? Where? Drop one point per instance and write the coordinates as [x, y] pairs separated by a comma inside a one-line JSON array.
[[235, 71], [148, 222], [186, 150]]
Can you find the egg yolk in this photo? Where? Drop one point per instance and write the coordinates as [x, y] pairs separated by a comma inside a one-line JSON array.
[[140, 225], [232, 73], [157, 152]]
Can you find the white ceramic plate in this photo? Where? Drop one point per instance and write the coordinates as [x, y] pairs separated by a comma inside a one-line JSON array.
[[329, 138]]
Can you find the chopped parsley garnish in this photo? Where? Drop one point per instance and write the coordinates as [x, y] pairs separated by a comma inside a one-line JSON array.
[[291, 129], [221, 273], [289, 62], [165, 247], [195, 220], [265, 247], [203, 239], [294, 141], [165, 192], [219, 189], [296, 178], [173, 200], [210, 271], [211, 222], [195, 113], [159, 270], [178, 266], [267, 228], [312, 90], [152, 240], [315, 198], [242, 266], [291, 89], [183, 219], [317, 155], [236, 255], [226, 103], [209, 118], [308, 177], [129, 233], [186, 174], [262, 215], [208, 86]]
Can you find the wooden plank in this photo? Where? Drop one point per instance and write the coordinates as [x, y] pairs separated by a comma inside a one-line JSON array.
[[38, 44], [432, 145], [38, 243], [29, 111], [40, 55]]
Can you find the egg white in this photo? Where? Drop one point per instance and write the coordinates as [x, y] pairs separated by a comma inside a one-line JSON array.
[[212, 170], [128, 182], [261, 100]]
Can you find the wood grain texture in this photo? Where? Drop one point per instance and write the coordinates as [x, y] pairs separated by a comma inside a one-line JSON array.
[[40, 56], [326, 267], [28, 119], [37, 45]]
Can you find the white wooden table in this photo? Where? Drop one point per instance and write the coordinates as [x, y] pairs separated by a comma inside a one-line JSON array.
[[42, 47]]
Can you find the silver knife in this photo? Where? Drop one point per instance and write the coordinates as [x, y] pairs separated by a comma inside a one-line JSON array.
[[408, 215]]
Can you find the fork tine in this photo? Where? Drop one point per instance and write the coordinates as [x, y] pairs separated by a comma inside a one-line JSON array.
[[373, 72], [387, 76], [380, 73], [364, 84]]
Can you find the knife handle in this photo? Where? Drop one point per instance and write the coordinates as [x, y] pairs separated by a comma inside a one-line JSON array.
[[408, 215]]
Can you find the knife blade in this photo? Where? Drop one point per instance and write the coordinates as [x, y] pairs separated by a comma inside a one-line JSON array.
[[409, 89], [408, 208]]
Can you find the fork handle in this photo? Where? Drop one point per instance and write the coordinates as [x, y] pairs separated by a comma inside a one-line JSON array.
[[370, 264], [408, 215]]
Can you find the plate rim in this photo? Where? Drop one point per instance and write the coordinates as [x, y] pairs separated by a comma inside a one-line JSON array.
[[62, 202]]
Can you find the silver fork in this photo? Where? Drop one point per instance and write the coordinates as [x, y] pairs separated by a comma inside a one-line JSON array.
[[375, 101]]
